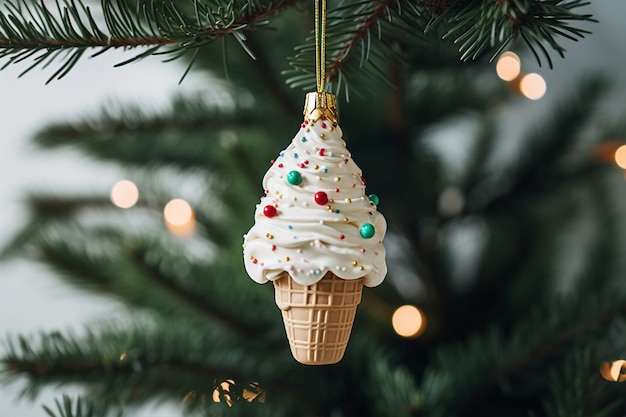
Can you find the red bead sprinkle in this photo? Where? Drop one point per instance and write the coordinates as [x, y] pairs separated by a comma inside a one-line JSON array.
[[362, 250], [303, 125], [342, 237], [345, 161], [323, 117], [335, 124], [321, 152], [255, 261], [306, 122], [273, 247], [336, 190], [280, 165], [370, 213], [271, 161], [270, 211], [323, 125], [306, 162], [302, 166], [363, 181], [321, 198]]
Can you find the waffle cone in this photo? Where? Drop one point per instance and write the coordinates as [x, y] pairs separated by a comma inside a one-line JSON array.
[[318, 318]]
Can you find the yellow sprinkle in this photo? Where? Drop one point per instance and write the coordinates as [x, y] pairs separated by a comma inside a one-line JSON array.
[[331, 201], [307, 129], [330, 128], [345, 219], [361, 268], [354, 263], [269, 236], [348, 200], [287, 258], [322, 135], [337, 179], [316, 167]]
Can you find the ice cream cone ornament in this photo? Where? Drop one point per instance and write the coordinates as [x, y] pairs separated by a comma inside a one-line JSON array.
[[317, 235]]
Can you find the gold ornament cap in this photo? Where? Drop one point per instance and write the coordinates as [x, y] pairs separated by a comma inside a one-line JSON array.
[[318, 104]]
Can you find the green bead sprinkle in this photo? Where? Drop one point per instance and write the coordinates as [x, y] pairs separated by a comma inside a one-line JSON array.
[[374, 198], [294, 177], [367, 230]]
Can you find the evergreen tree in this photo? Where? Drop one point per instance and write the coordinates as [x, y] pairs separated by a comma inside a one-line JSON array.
[[513, 328]]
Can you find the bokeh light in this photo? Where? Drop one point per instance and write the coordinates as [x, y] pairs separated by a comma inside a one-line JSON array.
[[614, 371], [620, 157], [179, 218], [251, 392], [408, 321], [533, 86], [124, 194], [223, 392], [178, 212], [509, 66]]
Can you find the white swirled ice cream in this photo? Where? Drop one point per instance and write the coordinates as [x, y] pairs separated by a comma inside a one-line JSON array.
[[315, 216]]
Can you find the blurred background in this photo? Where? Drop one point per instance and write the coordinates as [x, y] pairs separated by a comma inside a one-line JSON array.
[[33, 299]]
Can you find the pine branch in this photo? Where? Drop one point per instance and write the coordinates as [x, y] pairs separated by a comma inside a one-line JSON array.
[[483, 25], [578, 389], [139, 270], [359, 44], [43, 35], [544, 152], [555, 345], [169, 357], [71, 408], [363, 36], [491, 361], [189, 296], [190, 135]]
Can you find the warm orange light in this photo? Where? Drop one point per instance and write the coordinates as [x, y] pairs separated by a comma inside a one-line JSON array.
[[250, 393], [533, 86], [223, 392], [254, 392], [614, 371], [620, 157], [179, 218], [124, 194], [178, 212], [408, 321], [509, 66]]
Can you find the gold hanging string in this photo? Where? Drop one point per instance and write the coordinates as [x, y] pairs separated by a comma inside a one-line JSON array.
[[320, 103], [320, 44]]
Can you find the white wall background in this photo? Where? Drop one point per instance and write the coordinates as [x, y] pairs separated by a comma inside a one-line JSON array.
[[31, 298]]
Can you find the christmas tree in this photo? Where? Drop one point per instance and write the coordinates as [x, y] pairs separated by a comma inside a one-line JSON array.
[[513, 258]]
